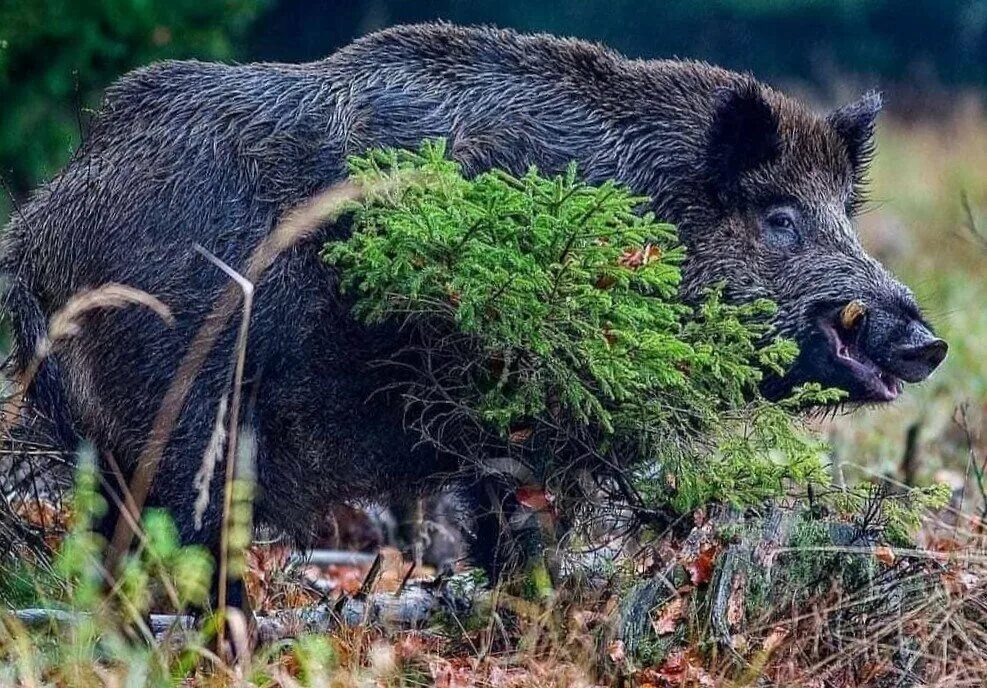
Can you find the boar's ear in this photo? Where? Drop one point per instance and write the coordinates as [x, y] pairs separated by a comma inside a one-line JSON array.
[[744, 133], [854, 124]]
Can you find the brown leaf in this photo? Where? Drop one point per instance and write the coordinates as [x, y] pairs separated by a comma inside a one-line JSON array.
[[875, 670], [616, 652], [884, 554], [735, 604], [701, 568], [534, 497], [447, 675], [393, 570], [669, 616], [680, 669], [605, 282], [960, 582], [631, 258], [634, 258], [521, 435], [644, 562], [651, 253], [348, 579], [46, 516], [264, 564], [775, 638], [413, 644]]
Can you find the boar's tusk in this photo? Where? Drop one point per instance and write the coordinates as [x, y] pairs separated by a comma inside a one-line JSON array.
[[852, 313]]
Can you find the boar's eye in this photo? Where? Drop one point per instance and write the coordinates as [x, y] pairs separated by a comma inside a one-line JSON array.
[[780, 227]]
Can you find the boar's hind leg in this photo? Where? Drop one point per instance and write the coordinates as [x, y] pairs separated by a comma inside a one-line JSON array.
[[189, 484], [506, 539]]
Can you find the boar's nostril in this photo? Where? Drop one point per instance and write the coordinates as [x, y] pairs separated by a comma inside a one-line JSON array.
[[917, 361], [931, 353]]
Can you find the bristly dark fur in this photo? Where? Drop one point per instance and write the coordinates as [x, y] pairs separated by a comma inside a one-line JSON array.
[[187, 152], [742, 137]]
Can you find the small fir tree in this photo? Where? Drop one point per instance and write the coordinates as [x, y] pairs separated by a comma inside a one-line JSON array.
[[542, 315]]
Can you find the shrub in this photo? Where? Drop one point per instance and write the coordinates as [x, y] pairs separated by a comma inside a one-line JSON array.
[[542, 313]]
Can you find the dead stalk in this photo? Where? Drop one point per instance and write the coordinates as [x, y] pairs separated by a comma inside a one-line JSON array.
[[298, 225], [247, 289]]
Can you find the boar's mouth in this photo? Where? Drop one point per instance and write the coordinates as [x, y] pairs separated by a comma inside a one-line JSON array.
[[872, 382]]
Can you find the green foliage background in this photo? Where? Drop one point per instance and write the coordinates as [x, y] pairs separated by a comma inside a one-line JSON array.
[[56, 56]]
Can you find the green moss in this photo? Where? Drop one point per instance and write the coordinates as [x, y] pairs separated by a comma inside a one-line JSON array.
[[757, 596]]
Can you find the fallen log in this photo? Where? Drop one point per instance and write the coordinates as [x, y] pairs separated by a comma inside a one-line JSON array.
[[414, 607]]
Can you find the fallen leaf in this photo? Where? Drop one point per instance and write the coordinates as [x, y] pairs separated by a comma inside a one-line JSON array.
[[413, 644], [668, 618], [959, 582], [534, 497], [735, 603], [46, 516], [680, 669], [616, 652], [348, 579], [645, 562], [701, 568], [447, 675], [585, 619], [521, 435], [393, 570], [775, 638], [884, 554], [875, 670]]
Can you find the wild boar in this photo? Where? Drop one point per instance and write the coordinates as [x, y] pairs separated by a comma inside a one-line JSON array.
[[763, 191]]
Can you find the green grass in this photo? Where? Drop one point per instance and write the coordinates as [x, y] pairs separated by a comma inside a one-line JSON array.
[[918, 226]]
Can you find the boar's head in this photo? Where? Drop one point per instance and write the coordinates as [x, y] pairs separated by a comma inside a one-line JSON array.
[[774, 218]]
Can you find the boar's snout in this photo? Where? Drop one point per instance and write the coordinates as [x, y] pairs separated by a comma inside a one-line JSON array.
[[875, 348], [901, 344], [912, 351]]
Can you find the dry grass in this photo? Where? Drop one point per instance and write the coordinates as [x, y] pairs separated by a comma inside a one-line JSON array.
[[926, 221]]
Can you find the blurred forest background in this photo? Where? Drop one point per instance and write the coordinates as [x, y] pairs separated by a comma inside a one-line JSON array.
[[928, 56], [57, 55]]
